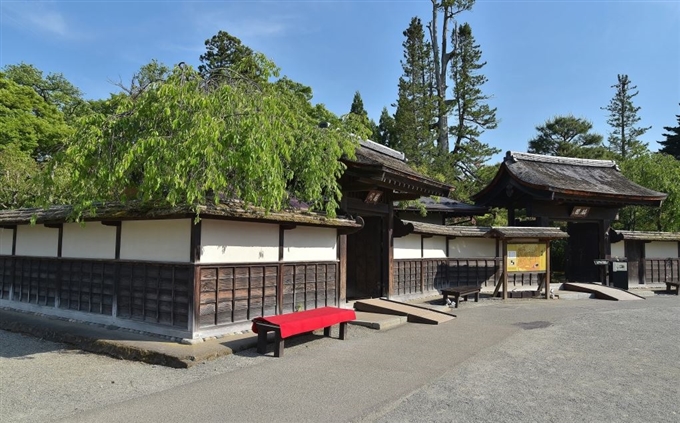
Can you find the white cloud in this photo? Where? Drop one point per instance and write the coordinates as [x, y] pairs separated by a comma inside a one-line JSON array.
[[35, 17]]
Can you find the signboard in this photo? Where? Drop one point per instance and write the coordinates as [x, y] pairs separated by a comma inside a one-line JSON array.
[[526, 258]]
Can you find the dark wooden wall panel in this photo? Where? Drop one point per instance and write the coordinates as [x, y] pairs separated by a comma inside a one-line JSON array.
[[35, 280], [662, 270], [155, 292], [309, 285], [413, 276], [236, 293], [6, 276], [87, 285]]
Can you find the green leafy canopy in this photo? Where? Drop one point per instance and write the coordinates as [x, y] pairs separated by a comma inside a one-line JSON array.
[[188, 140]]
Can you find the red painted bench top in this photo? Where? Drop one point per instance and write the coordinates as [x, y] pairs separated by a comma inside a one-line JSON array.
[[306, 321]]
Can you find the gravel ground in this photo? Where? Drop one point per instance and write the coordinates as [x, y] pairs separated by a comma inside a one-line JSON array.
[[576, 361], [609, 366]]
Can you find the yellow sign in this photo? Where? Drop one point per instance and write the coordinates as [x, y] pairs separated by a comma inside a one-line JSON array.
[[526, 258]]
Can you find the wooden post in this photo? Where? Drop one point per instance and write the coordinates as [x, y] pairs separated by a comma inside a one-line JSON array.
[[505, 269], [388, 251], [342, 269], [547, 269]]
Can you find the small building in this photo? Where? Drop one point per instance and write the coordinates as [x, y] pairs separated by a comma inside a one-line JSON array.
[[653, 257], [586, 194], [434, 257]]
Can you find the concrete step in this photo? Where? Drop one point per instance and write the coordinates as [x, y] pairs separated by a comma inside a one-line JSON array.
[[378, 321]]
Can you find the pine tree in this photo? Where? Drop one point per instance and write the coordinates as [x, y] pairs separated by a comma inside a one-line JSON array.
[[623, 139], [357, 107], [384, 131], [442, 57], [416, 103], [472, 115], [671, 145], [567, 136], [226, 59]]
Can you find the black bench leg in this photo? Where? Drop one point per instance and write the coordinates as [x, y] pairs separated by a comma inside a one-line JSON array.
[[476, 297], [327, 331], [343, 329], [261, 340], [278, 344], [456, 298], [446, 297]]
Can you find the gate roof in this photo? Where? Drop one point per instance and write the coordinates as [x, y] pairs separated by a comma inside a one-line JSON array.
[[523, 177]]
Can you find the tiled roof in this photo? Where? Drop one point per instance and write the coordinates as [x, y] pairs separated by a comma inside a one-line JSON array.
[[566, 178], [132, 210], [649, 236], [501, 232]]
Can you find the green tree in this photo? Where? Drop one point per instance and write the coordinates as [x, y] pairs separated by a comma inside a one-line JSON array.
[[357, 106], [54, 89], [660, 172], [623, 116], [359, 116], [671, 145], [226, 59], [442, 55], [28, 122], [567, 136], [472, 115], [384, 133], [18, 171], [416, 103], [187, 140]]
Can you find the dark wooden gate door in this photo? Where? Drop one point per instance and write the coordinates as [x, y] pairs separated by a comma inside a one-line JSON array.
[[634, 253], [364, 252], [582, 248]]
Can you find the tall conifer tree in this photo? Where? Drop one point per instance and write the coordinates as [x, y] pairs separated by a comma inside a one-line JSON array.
[[623, 116], [671, 145]]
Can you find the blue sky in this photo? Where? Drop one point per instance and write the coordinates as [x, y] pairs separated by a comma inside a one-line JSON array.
[[545, 58]]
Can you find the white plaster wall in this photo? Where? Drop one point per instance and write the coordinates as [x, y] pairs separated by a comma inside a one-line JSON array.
[[434, 247], [6, 236], [308, 243], [156, 240], [661, 249], [37, 241], [472, 247], [225, 241], [93, 240], [407, 247], [618, 249]]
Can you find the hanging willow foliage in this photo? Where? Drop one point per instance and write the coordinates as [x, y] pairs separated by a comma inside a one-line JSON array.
[[190, 140]]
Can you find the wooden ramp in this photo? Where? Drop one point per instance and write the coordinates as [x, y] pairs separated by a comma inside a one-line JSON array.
[[414, 313], [601, 292]]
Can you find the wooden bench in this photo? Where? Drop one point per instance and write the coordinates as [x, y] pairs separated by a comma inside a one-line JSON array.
[[669, 286], [290, 324], [461, 291]]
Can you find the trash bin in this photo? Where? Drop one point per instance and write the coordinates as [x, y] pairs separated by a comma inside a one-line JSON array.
[[618, 273]]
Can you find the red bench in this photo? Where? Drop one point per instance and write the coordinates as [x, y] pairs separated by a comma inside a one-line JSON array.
[[287, 325]]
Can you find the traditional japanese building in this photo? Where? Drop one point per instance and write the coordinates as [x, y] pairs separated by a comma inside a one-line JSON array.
[[587, 194]]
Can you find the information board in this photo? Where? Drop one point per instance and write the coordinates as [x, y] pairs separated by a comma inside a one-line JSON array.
[[526, 258]]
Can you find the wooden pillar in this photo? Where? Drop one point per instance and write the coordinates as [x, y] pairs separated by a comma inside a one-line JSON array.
[[388, 251], [118, 225], [342, 269], [505, 269], [547, 269], [605, 249]]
